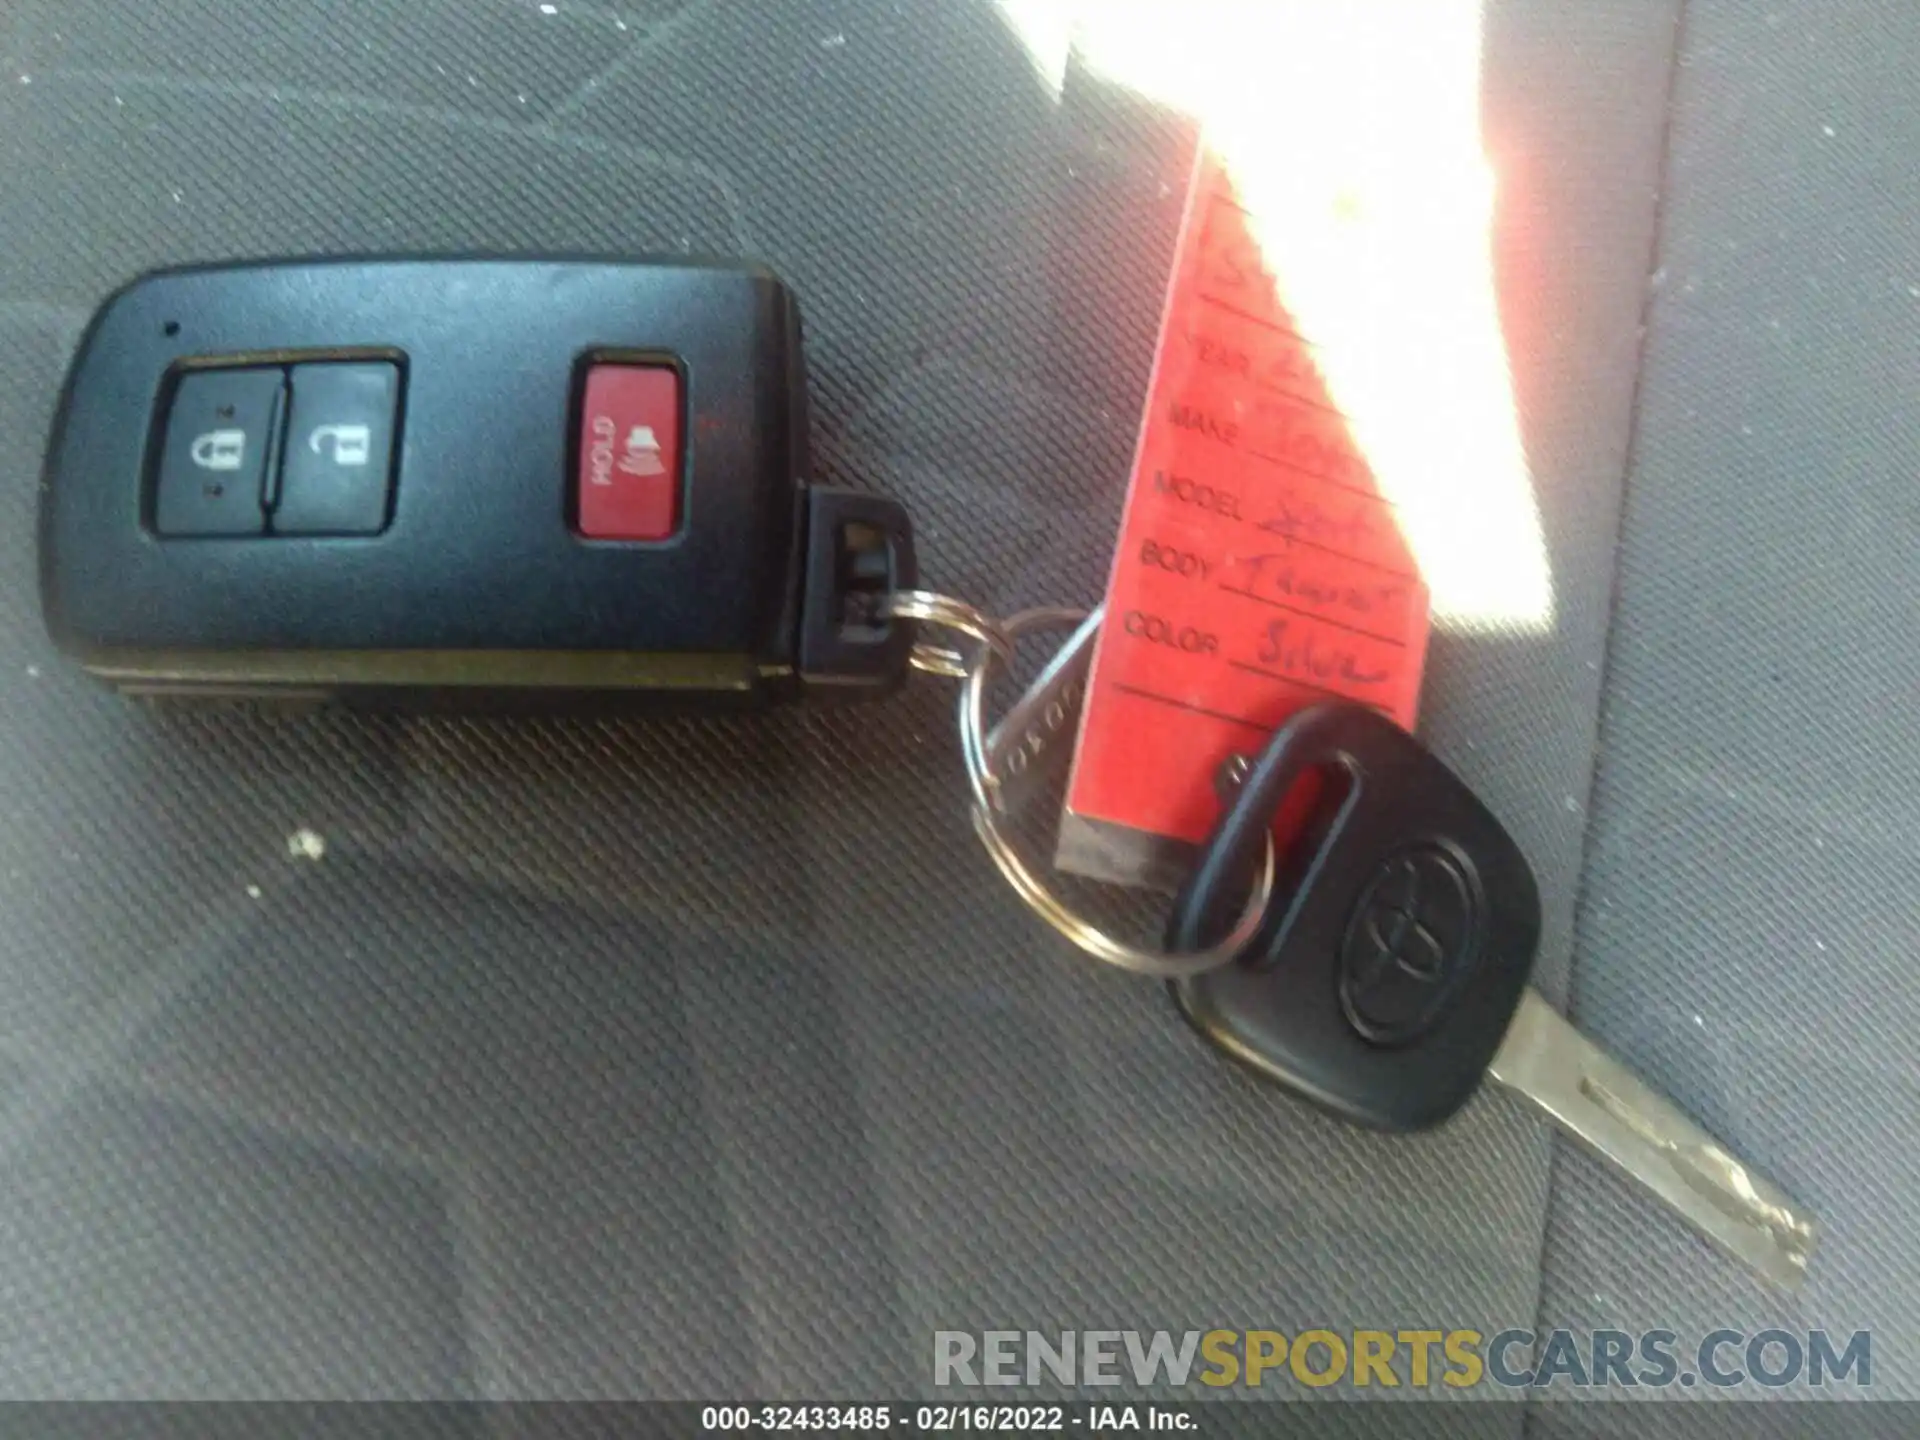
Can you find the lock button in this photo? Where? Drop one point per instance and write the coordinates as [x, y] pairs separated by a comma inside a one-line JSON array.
[[336, 478], [215, 461]]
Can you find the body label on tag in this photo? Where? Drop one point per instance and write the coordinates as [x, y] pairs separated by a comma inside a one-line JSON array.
[[1259, 566]]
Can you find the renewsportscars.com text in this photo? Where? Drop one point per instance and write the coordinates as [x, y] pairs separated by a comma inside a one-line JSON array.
[[1411, 1358]]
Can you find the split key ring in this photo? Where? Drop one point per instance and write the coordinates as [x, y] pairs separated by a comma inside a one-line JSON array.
[[976, 672]]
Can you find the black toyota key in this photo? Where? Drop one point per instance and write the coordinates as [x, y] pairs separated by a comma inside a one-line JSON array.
[[1391, 976], [459, 479]]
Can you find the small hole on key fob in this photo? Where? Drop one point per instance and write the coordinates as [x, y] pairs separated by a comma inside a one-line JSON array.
[[172, 327]]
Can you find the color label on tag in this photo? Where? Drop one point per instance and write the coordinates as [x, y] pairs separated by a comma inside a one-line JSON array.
[[1259, 567]]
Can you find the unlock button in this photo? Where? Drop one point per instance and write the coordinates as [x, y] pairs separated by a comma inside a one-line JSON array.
[[337, 475]]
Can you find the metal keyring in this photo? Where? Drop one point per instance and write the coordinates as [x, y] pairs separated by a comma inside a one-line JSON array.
[[1165, 965], [973, 698], [949, 614]]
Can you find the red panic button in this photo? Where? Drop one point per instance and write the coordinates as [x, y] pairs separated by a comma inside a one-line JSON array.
[[629, 480]]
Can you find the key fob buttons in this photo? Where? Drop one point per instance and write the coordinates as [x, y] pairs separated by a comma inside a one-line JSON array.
[[249, 450]]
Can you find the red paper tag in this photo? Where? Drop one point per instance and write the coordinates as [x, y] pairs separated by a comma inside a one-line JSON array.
[[1259, 567]]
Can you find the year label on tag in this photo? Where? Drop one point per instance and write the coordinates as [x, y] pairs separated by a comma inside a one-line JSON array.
[[1259, 566]]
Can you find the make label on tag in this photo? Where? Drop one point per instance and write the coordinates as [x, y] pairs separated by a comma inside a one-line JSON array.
[[1259, 567]]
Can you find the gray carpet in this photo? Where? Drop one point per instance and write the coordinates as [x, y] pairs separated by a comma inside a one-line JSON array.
[[707, 1059]]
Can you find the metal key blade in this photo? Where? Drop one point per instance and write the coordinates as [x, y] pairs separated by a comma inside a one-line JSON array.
[[1601, 1103]]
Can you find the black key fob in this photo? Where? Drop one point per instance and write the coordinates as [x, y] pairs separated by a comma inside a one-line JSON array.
[[466, 480], [1398, 939]]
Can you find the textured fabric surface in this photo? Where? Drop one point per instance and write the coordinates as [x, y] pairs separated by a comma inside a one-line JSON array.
[[1748, 915], [696, 1058]]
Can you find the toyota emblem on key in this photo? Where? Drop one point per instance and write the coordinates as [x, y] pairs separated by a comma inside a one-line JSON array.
[[1411, 940]]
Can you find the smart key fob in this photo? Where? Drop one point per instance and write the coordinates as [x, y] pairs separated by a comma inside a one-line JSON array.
[[476, 480]]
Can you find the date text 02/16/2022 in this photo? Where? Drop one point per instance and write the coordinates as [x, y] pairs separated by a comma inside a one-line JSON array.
[[1093, 1419]]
